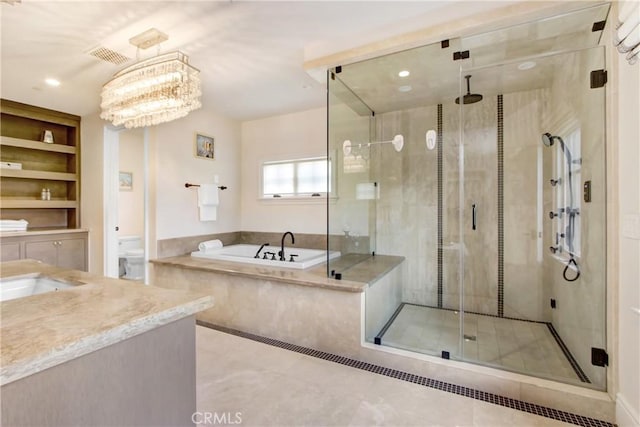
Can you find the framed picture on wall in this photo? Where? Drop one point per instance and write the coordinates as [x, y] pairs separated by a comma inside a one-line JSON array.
[[126, 181], [204, 148]]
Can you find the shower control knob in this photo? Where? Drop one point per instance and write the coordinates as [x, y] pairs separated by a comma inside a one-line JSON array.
[[552, 215], [555, 182], [553, 249]]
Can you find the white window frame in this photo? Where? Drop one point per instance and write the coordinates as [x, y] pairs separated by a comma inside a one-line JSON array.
[[297, 197]]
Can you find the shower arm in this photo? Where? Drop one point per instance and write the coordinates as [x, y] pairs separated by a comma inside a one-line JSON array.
[[397, 142]]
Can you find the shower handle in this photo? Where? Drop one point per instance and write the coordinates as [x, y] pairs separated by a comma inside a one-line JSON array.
[[473, 216]]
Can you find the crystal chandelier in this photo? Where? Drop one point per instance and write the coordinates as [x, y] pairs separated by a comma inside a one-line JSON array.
[[152, 91]]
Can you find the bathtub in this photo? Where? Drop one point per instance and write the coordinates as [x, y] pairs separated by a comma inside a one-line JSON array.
[[245, 254]]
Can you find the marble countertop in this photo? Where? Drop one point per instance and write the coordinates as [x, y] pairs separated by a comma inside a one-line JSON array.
[[38, 232], [45, 330], [358, 271]]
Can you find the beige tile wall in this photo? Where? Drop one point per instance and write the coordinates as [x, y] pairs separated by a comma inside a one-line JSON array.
[[407, 212]]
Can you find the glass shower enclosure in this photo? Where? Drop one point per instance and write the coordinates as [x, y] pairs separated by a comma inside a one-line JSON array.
[[486, 174]]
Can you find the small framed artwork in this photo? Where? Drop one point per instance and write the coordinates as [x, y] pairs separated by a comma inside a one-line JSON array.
[[126, 181], [204, 148]]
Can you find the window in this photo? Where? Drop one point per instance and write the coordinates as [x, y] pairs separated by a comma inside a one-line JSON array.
[[295, 178]]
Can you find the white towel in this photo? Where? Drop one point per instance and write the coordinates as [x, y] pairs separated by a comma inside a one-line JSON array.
[[208, 202], [210, 245], [208, 213], [208, 195], [13, 225], [14, 222]]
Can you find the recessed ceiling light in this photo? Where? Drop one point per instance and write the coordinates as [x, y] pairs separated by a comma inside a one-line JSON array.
[[404, 73], [527, 65], [405, 88], [52, 82]]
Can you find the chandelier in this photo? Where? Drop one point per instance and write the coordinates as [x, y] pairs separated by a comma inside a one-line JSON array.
[[152, 91]]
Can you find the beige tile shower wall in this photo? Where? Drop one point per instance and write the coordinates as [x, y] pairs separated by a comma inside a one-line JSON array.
[[481, 189], [525, 291], [453, 247], [580, 314], [407, 211]]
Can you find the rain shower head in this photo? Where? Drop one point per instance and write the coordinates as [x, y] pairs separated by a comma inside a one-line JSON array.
[[469, 98]]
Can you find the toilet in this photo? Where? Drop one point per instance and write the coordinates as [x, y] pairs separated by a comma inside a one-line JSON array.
[[130, 258]]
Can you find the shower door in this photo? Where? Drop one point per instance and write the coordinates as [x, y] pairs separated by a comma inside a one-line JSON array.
[[400, 203], [532, 216]]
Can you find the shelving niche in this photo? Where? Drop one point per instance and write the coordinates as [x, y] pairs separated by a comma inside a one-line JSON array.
[[55, 166]]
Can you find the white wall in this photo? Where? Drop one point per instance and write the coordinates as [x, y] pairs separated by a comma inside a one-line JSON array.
[[289, 136], [173, 208], [91, 197], [628, 397], [131, 203], [173, 146]]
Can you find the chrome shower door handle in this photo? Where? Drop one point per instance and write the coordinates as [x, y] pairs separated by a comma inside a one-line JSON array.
[[473, 216]]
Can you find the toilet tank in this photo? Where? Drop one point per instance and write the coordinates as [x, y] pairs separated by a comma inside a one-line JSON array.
[[127, 243]]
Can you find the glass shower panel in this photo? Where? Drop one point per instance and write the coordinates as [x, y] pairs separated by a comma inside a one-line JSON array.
[[534, 217], [565, 32], [351, 204], [415, 214]]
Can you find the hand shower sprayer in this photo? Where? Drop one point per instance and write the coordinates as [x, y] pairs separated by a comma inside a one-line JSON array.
[[548, 140]]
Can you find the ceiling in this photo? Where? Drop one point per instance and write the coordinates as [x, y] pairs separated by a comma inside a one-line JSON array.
[[250, 53]]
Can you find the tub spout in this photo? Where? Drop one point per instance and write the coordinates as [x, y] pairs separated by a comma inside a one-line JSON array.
[[261, 247], [293, 241]]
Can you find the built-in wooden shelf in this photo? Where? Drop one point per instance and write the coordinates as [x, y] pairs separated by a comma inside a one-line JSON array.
[[37, 204], [32, 174], [52, 166], [37, 145]]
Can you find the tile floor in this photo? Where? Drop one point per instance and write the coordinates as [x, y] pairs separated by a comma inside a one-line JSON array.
[[516, 345], [270, 386]]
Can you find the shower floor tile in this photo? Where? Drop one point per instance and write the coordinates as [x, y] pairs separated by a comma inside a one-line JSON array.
[[517, 345]]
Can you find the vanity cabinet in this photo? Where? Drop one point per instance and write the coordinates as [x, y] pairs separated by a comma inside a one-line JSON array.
[[61, 252], [62, 249], [10, 251]]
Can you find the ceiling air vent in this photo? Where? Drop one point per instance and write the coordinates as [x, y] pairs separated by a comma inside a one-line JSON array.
[[108, 55]]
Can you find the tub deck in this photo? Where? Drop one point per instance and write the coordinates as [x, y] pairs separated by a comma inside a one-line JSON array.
[[303, 307], [359, 270]]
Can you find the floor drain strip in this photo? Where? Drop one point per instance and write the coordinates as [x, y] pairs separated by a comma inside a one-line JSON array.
[[495, 399]]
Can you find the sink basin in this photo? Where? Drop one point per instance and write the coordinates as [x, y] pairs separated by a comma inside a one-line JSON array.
[[20, 287]]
